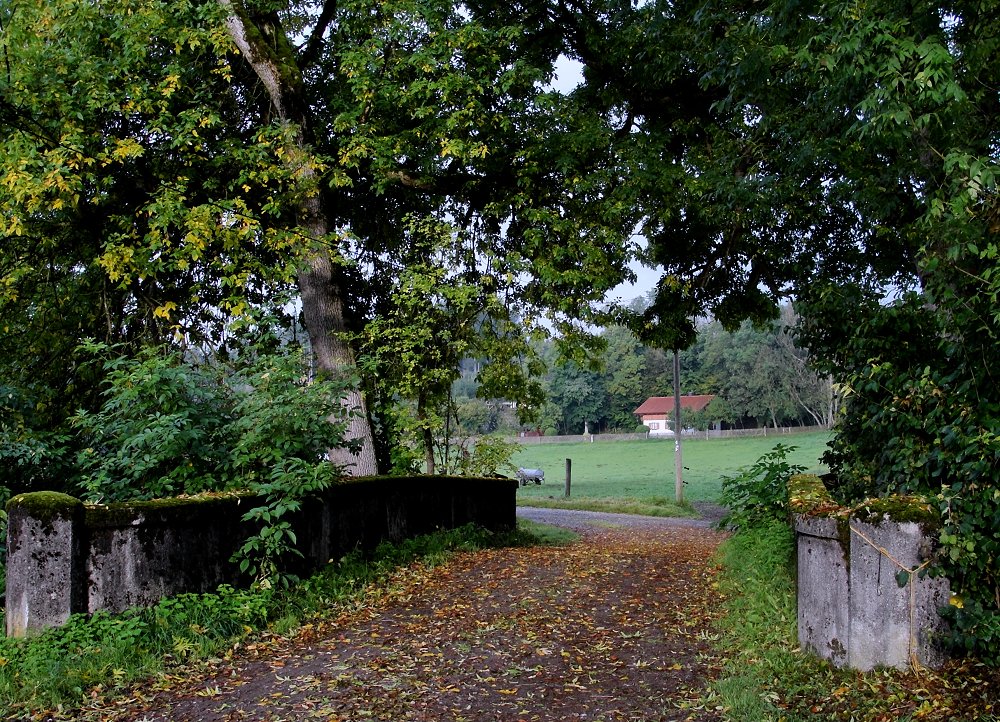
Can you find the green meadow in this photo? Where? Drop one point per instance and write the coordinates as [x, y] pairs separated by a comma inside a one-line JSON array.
[[639, 475]]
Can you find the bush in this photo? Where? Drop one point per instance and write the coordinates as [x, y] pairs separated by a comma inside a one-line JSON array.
[[491, 456], [160, 431], [758, 495], [30, 456], [169, 427]]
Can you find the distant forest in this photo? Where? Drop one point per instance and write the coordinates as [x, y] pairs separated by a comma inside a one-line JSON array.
[[760, 377]]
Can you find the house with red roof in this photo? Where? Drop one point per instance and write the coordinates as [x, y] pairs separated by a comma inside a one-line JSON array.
[[656, 412]]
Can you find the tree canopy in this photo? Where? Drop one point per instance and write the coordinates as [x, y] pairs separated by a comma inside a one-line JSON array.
[[171, 166]]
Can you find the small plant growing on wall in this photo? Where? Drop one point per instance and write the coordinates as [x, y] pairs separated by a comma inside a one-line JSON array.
[[759, 493]]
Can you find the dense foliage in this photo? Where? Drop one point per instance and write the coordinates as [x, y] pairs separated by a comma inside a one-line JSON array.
[[404, 171], [922, 419], [839, 153], [168, 426]]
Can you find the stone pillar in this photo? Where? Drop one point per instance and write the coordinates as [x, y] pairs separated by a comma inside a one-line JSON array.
[[823, 588], [45, 580], [890, 620]]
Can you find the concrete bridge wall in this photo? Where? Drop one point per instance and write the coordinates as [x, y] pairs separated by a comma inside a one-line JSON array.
[[65, 557]]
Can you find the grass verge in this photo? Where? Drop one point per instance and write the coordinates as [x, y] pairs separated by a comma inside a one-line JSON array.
[[655, 506], [766, 677], [546, 534], [91, 659]]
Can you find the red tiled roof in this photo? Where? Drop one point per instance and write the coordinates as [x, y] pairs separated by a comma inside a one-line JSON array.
[[665, 404]]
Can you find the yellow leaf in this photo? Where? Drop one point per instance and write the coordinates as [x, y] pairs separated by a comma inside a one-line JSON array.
[[164, 310]]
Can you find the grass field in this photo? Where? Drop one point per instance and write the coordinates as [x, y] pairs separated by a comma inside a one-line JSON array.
[[642, 472]]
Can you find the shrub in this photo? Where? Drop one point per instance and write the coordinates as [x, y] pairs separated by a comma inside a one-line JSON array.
[[30, 456], [160, 431], [490, 456], [168, 427], [758, 495]]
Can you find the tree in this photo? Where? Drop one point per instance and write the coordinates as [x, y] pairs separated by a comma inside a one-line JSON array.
[[902, 101], [172, 166], [754, 374], [624, 368], [576, 392], [835, 149], [259, 34], [813, 392], [436, 319]]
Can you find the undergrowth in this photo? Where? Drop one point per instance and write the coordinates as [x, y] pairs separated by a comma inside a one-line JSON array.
[[60, 669]]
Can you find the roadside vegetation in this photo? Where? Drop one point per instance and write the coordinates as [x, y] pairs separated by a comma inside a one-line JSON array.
[[78, 670], [766, 677]]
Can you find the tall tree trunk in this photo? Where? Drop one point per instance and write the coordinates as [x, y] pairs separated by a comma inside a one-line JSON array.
[[266, 49], [425, 432]]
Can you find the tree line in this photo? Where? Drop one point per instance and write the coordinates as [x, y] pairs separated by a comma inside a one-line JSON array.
[[759, 376]]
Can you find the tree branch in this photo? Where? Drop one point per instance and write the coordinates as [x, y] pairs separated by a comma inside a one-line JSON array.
[[309, 51]]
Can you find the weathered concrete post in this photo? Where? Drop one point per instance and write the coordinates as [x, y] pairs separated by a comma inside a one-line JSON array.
[[893, 609], [45, 579], [824, 589], [863, 602]]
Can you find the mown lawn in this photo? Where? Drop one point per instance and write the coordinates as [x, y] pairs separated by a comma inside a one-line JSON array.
[[644, 470]]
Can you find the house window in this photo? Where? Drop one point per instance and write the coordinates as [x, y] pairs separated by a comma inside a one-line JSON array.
[[654, 425]]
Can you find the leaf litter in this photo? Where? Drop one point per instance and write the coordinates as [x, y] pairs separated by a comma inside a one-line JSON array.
[[614, 628]]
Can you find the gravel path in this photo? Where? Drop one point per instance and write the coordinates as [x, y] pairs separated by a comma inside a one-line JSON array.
[[613, 627]]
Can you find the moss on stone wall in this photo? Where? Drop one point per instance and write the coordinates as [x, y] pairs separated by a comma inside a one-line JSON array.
[[898, 509], [807, 494], [45, 506], [122, 514]]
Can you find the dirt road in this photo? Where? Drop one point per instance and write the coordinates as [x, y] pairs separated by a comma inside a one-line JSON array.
[[610, 628]]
